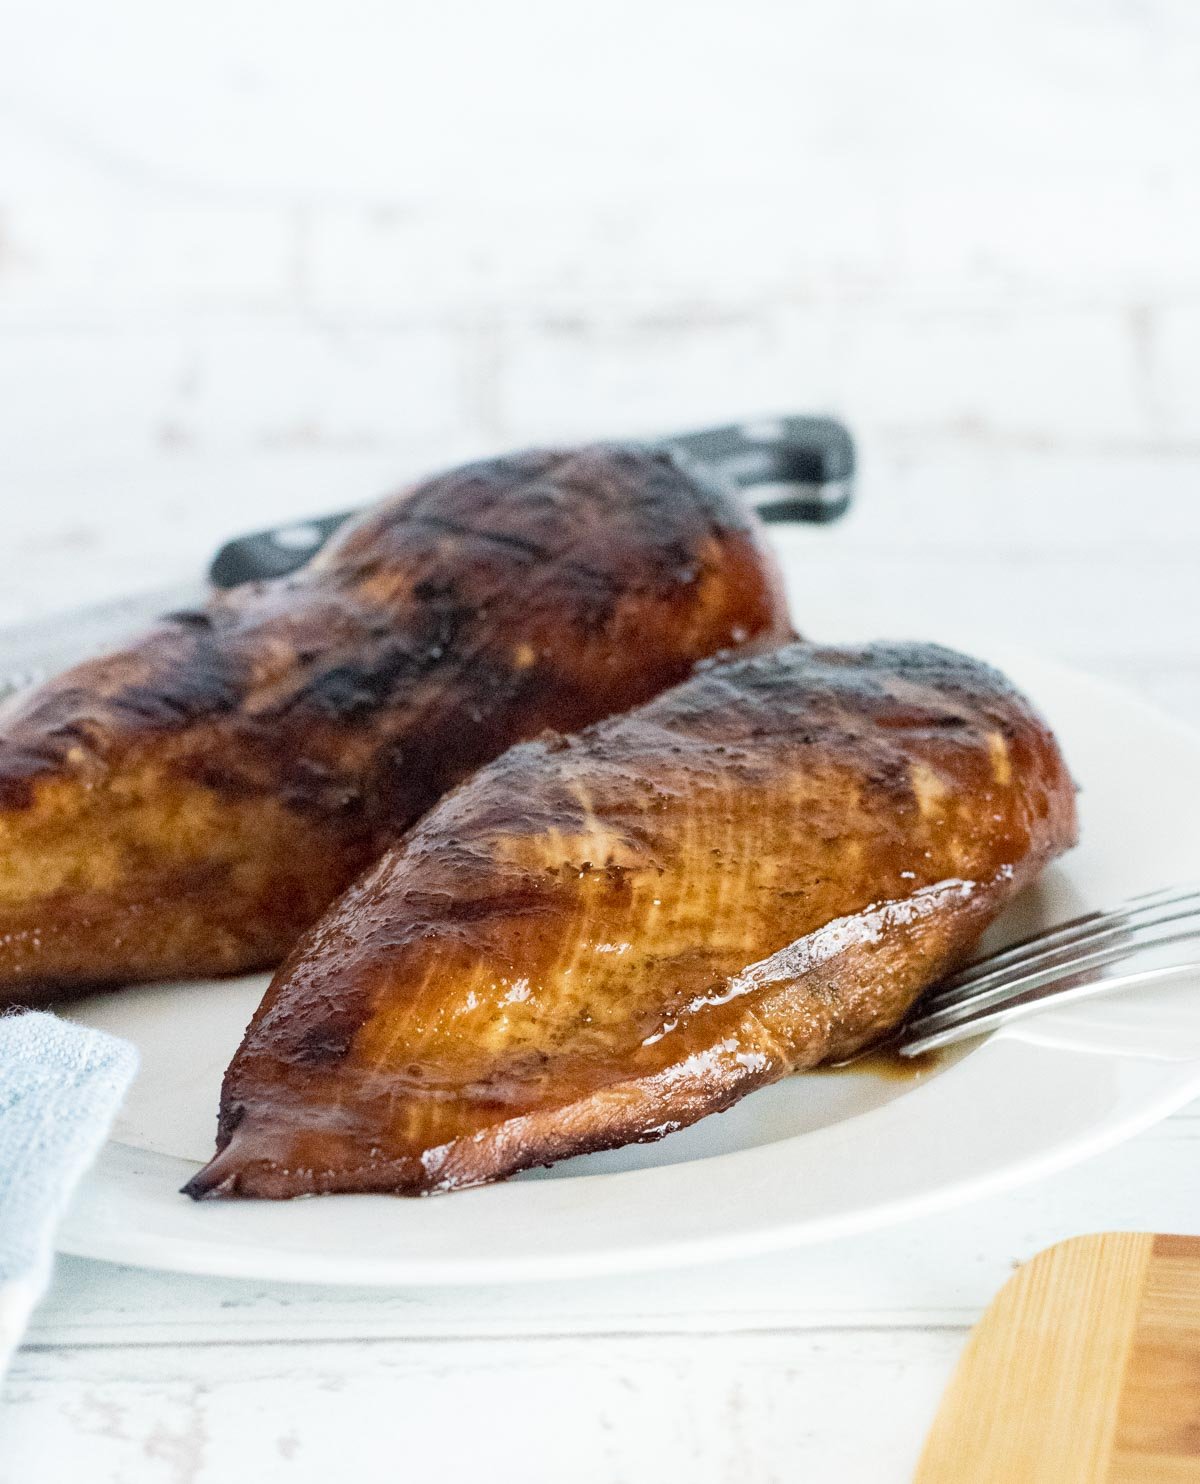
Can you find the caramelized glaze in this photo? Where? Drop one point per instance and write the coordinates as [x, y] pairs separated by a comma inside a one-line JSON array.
[[187, 806], [602, 938]]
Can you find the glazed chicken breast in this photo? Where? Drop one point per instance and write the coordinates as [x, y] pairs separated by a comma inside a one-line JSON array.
[[187, 806], [601, 938]]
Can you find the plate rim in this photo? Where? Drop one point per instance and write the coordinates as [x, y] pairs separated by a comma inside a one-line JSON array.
[[86, 1233], [256, 1262]]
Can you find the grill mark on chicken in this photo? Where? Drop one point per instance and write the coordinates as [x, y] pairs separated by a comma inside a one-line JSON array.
[[602, 937]]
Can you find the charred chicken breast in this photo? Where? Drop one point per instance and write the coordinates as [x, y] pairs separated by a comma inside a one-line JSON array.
[[601, 938], [188, 805]]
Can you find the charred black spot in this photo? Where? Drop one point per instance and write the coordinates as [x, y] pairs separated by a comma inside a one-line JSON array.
[[327, 1041], [434, 590], [81, 731], [189, 618], [161, 707], [229, 1117], [891, 775], [356, 689], [17, 782], [207, 682], [350, 691], [445, 908]]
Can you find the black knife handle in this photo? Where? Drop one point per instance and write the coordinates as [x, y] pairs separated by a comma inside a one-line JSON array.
[[273, 553], [803, 467]]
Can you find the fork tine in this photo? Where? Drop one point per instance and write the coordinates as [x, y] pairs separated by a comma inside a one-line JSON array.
[[1076, 927], [1097, 927], [1016, 983], [1137, 902], [1041, 981], [916, 1039], [1121, 937]]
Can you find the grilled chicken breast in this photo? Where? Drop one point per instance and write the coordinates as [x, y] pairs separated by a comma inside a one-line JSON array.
[[602, 938], [187, 806]]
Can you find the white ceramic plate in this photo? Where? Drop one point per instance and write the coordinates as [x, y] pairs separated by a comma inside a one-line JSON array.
[[811, 1158]]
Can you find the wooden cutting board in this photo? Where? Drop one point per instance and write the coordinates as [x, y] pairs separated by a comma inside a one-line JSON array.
[[1084, 1370]]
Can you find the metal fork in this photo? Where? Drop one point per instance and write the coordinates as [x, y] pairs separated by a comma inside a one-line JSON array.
[[1148, 937]]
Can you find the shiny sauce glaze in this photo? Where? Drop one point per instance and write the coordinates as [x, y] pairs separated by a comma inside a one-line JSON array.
[[602, 938]]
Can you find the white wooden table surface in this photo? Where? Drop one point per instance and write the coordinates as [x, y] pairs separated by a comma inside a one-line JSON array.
[[259, 262]]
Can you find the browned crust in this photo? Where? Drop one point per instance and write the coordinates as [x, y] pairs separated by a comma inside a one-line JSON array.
[[186, 806], [603, 938]]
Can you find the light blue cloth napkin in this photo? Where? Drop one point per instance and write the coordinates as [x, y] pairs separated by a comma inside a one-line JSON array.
[[60, 1087]]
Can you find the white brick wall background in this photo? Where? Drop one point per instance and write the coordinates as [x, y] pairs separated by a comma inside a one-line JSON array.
[[260, 261]]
